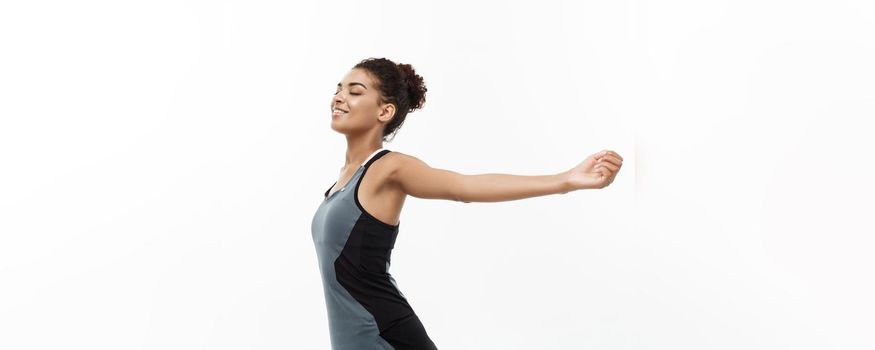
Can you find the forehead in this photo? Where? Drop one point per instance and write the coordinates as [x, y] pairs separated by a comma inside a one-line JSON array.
[[357, 75]]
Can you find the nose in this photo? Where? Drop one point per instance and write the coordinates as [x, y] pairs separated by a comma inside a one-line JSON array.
[[336, 98]]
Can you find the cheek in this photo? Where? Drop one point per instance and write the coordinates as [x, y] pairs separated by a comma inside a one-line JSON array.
[[361, 104]]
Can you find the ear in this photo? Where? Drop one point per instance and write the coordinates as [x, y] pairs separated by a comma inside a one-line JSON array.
[[387, 112]]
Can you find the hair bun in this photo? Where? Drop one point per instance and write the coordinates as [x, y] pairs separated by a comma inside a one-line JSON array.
[[415, 86]]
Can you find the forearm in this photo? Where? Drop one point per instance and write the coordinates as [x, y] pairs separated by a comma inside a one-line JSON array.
[[507, 187]]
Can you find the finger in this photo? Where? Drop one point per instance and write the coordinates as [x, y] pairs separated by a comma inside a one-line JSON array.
[[604, 171], [610, 158], [612, 153], [616, 156], [612, 167]]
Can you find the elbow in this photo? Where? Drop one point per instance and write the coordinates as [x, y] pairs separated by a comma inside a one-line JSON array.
[[459, 196], [460, 192]]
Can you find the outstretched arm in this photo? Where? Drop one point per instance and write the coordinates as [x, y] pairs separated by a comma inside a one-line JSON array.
[[419, 180]]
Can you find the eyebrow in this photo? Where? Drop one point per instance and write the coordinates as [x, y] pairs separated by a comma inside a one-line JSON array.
[[354, 83]]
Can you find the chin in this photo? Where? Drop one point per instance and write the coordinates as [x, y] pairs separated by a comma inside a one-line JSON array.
[[337, 127]]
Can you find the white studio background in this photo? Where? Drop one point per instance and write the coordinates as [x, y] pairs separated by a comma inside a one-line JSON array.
[[162, 160]]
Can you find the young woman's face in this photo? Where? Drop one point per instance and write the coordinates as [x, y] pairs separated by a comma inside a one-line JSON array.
[[357, 98]]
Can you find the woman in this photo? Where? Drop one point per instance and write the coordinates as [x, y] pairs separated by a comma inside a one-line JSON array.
[[354, 231]]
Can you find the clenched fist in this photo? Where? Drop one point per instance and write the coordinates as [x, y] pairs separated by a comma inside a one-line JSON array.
[[596, 171]]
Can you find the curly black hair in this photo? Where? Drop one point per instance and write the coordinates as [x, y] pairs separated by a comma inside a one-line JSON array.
[[399, 84]]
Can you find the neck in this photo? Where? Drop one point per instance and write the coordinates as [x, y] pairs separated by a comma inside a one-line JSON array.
[[359, 150]]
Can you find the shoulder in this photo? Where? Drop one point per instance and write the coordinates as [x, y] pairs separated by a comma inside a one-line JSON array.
[[397, 162], [399, 157]]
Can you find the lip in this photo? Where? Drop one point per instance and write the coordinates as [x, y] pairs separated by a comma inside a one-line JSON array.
[[335, 113]]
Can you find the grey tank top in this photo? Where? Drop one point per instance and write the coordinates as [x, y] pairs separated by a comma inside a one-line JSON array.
[[366, 310]]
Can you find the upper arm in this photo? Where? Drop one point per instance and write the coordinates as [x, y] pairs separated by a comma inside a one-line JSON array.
[[417, 179]]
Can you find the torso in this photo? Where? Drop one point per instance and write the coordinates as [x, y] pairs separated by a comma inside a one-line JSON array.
[[354, 244]]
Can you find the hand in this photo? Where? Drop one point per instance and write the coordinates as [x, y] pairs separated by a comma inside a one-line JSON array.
[[596, 171]]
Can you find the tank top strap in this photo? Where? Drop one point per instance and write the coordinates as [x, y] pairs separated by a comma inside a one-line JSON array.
[[374, 156]]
